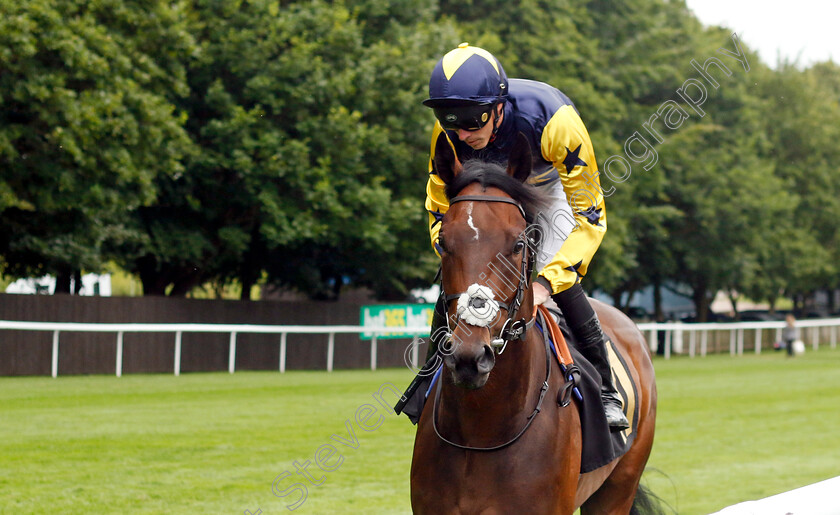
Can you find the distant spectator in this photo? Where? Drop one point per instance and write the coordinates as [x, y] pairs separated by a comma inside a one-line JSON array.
[[790, 333]]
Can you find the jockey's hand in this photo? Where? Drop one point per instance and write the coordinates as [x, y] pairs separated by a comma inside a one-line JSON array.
[[540, 293]]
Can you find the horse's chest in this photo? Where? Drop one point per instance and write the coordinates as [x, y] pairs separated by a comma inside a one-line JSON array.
[[520, 480]]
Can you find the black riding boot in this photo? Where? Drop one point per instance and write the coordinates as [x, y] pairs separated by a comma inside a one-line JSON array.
[[592, 344]]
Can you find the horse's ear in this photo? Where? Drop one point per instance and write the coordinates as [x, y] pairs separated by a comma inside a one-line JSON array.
[[519, 163], [445, 162]]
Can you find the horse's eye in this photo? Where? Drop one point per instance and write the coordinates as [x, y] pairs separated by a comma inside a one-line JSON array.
[[519, 247]]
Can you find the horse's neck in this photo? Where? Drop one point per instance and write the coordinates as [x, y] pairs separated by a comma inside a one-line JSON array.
[[509, 397]]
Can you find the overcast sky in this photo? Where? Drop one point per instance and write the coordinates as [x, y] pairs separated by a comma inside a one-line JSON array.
[[807, 29]]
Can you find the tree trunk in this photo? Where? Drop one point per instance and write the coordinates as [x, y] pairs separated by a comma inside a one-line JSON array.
[[62, 282], [733, 299], [247, 283], [77, 282], [150, 277], [658, 314], [701, 305], [183, 286], [616, 295]]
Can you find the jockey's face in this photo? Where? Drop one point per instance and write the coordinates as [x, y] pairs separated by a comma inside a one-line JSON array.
[[480, 138]]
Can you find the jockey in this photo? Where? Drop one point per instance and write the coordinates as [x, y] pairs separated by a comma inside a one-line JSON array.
[[482, 112]]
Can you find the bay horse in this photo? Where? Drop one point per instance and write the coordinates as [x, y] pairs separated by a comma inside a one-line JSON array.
[[481, 446]]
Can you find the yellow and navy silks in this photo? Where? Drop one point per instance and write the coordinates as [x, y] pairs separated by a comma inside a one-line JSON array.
[[557, 135]]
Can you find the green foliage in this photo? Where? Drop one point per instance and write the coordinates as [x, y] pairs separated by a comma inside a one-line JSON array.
[[283, 143], [309, 133], [801, 122], [85, 126]]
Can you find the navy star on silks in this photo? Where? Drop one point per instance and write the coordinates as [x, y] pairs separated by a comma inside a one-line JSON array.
[[572, 159], [574, 268], [592, 215], [438, 216]]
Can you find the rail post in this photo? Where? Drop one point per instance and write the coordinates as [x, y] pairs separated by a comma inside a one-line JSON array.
[[232, 352], [330, 352], [415, 356], [119, 353], [732, 342], [373, 352], [692, 343], [653, 341], [282, 352], [54, 366], [177, 353]]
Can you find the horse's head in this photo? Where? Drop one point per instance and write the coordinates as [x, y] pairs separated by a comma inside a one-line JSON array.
[[487, 255]]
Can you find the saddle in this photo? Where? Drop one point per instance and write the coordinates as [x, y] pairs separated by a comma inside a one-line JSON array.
[[600, 446], [582, 382]]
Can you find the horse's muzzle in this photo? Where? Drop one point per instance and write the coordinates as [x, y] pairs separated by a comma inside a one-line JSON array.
[[470, 364]]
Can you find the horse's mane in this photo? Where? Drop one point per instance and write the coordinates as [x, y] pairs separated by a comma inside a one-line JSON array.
[[493, 175]]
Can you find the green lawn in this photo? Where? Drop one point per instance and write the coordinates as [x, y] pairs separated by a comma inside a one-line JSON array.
[[729, 429]]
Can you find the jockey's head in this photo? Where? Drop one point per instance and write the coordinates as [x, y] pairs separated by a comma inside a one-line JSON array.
[[466, 87]]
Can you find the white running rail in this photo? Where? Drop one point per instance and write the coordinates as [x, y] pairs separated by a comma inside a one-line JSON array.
[[232, 329], [675, 333], [674, 336]]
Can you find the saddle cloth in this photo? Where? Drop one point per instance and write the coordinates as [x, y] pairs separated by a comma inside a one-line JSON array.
[[600, 446]]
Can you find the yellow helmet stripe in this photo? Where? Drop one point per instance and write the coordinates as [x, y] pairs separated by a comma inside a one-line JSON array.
[[455, 58]]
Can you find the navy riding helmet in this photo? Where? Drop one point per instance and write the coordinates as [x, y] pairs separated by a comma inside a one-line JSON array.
[[465, 86]]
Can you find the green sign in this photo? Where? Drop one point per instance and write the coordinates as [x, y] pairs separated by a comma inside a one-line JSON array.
[[396, 315]]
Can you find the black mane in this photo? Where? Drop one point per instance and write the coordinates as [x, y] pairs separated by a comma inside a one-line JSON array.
[[492, 175]]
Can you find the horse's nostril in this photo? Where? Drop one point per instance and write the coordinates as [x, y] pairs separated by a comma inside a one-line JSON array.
[[486, 359]]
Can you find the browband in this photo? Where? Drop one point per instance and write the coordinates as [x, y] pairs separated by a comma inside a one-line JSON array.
[[488, 198]]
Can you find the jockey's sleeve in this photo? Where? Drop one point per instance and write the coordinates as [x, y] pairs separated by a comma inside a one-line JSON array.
[[436, 202], [565, 143]]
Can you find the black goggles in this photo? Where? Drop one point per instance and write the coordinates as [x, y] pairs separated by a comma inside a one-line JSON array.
[[468, 118]]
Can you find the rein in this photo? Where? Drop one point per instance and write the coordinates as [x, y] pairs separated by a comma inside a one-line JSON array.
[[531, 417]]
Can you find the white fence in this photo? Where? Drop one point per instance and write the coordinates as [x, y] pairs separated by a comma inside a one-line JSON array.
[[232, 329], [674, 336], [676, 333]]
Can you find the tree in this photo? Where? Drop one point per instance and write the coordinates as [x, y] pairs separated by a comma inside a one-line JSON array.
[[85, 126], [312, 149], [802, 122]]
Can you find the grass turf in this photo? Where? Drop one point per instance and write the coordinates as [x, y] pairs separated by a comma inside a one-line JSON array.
[[729, 429]]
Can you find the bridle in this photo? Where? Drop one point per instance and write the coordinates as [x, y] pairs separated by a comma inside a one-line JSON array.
[[511, 329]]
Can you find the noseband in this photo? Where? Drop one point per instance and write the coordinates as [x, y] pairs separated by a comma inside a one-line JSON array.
[[512, 329]]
